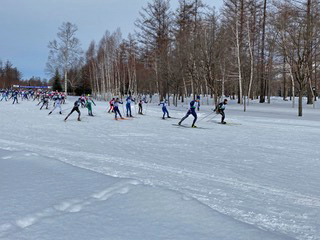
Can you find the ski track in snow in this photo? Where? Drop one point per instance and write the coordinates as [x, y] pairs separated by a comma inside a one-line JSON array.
[[66, 207], [96, 162], [227, 195]]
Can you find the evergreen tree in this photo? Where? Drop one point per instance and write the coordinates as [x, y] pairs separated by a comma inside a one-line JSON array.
[[83, 86], [56, 82]]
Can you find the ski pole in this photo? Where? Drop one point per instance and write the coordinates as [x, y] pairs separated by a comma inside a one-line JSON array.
[[212, 118], [66, 109], [122, 108], [205, 117], [135, 109], [145, 111]]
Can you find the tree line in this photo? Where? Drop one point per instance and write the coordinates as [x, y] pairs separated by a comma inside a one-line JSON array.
[[10, 75], [250, 49]]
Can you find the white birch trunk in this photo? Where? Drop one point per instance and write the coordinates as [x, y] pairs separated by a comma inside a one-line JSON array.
[[239, 62], [251, 63]]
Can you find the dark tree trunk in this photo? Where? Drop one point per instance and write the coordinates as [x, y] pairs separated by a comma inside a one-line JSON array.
[[262, 70]]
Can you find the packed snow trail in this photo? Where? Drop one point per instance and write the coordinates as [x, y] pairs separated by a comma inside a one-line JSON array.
[[263, 172], [46, 199]]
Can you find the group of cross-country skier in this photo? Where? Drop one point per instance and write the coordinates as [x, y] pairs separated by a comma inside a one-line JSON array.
[[45, 98]]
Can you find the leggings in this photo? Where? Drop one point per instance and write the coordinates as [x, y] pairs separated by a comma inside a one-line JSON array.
[[116, 111], [165, 111], [140, 109], [187, 115], [222, 114], [74, 109], [128, 107]]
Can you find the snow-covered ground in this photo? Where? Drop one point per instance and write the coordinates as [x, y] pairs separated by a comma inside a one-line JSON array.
[[145, 179]]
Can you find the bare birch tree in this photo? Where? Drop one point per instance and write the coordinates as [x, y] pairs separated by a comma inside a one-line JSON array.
[[64, 52]]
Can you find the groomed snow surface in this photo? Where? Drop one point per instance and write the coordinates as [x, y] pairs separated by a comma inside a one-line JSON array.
[[145, 179]]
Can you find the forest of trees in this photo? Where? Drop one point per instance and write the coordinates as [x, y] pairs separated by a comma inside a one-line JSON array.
[[10, 75], [250, 49]]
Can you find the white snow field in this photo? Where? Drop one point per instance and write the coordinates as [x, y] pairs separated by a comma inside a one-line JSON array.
[[145, 179]]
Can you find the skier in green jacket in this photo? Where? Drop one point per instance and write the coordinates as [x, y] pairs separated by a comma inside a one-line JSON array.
[[89, 102]]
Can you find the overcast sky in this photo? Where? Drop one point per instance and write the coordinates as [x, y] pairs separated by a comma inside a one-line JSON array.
[[27, 26]]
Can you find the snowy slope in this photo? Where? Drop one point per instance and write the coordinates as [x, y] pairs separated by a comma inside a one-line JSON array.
[[147, 179]]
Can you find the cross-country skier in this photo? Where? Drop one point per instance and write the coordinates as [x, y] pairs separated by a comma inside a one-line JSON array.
[[144, 99], [37, 96], [57, 104], [15, 97], [128, 105], [24, 95], [111, 105], [164, 108], [116, 108], [83, 101], [45, 100], [192, 111], [89, 102], [75, 108], [4, 95], [140, 105], [198, 103], [220, 109], [54, 98], [63, 98]]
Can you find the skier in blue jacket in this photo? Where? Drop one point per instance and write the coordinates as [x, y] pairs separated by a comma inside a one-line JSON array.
[[164, 108], [192, 110], [4, 95], [128, 105]]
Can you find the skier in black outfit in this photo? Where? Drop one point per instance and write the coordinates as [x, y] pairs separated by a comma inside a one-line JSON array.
[[140, 106], [15, 97], [75, 108], [220, 109], [45, 101]]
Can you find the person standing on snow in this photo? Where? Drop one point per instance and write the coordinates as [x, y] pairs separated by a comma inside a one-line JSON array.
[[140, 105], [63, 98], [89, 105], [164, 108], [37, 96], [220, 110], [111, 105], [4, 95], [15, 97], [57, 104], [192, 110], [198, 103], [128, 105], [83, 100], [75, 108], [45, 101], [116, 108]]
